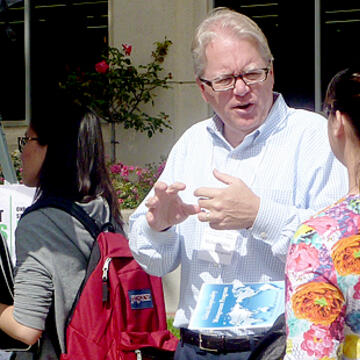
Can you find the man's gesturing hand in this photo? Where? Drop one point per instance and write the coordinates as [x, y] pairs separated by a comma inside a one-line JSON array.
[[229, 208], [166, 207]]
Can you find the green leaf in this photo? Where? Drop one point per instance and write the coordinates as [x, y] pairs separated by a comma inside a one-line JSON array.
[[321, 301]]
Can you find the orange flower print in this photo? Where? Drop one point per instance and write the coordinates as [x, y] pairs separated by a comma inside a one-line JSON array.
[[346, 255], [318, 302]]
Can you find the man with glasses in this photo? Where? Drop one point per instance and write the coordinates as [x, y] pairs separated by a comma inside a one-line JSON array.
[[235, 186]]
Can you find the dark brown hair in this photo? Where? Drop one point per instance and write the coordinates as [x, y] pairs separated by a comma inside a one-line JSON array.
[[343, 94], [74, 166]]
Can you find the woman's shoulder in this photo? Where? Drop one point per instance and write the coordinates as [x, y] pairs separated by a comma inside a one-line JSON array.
[[46, 213], [97, 208]]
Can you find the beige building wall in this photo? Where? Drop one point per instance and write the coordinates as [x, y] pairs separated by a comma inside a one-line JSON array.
[[141, 23]]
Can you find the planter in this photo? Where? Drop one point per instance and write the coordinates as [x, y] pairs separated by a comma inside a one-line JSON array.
[[125, 213]]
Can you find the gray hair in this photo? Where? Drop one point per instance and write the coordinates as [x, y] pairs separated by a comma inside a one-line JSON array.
[[225, 21]]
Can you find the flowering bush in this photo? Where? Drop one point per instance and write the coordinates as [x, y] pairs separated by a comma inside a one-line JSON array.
[[15, 157], [131, 183], [117, 88]]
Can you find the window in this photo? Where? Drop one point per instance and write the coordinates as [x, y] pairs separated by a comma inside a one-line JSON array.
[[64, 35], [340, 28], [12, 69], [290, 29]]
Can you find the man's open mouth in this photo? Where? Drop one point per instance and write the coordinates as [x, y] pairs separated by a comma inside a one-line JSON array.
[[244, 106]]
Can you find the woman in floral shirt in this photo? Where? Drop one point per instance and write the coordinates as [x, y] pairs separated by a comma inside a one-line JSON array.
[[323, 264]]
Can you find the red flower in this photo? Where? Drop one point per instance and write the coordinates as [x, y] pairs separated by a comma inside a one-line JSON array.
[[127, 49], [102, 67]]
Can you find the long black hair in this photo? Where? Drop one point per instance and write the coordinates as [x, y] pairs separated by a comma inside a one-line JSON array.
[[74, 165]]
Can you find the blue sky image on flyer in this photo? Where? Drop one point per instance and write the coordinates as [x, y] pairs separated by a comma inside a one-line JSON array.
[[250, 305]]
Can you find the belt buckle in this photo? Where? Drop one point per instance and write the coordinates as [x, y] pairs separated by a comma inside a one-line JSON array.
[[203, 347]]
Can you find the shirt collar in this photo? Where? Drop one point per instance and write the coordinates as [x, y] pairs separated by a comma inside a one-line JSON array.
[[276, 116]]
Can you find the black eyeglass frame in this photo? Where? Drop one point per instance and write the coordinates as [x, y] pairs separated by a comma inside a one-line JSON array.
[[23, 140], [235, 77]]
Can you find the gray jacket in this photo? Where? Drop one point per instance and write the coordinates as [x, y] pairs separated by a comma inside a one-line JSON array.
[[52, 249]]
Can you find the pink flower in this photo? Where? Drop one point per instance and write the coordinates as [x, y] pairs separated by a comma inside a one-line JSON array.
[[317, 341], [302, 257], [357, 290], [102, 67], [323, 225], [127, 49], [337, 327], [125, 171], [160, 169], [115, 169]]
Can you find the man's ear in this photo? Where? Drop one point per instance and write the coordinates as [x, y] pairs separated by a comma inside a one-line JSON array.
[[272, 74], [202, 89], [271, 71]]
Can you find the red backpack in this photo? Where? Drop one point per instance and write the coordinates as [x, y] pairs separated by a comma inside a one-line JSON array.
[[119, 312]]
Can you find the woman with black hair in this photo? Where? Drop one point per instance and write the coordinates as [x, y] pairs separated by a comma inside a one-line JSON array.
[[323, 263], [62, 154]]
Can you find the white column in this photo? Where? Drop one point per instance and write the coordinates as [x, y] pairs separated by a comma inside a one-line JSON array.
[[27, 11], [317, 56]]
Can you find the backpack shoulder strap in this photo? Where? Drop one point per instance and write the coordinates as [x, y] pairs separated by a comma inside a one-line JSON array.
[[90, 225], [69, 207]]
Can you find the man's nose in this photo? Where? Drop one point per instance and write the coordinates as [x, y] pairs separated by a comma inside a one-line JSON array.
[[240, 86]]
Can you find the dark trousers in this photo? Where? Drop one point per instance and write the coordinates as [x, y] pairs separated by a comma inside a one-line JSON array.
[[192, 352]]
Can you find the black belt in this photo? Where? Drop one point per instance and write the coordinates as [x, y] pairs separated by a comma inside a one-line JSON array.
[[221, 344]]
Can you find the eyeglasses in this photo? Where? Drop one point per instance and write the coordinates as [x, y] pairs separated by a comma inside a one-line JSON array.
[[228, 82], [23, 140]]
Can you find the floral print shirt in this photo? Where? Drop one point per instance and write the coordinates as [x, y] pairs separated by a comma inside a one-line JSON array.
[[323, 285]]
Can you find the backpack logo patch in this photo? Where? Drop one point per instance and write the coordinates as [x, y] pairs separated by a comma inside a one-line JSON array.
[[140, 299]]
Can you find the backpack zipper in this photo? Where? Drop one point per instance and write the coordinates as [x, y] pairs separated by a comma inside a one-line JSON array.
[[138, 355], [105, 278]]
